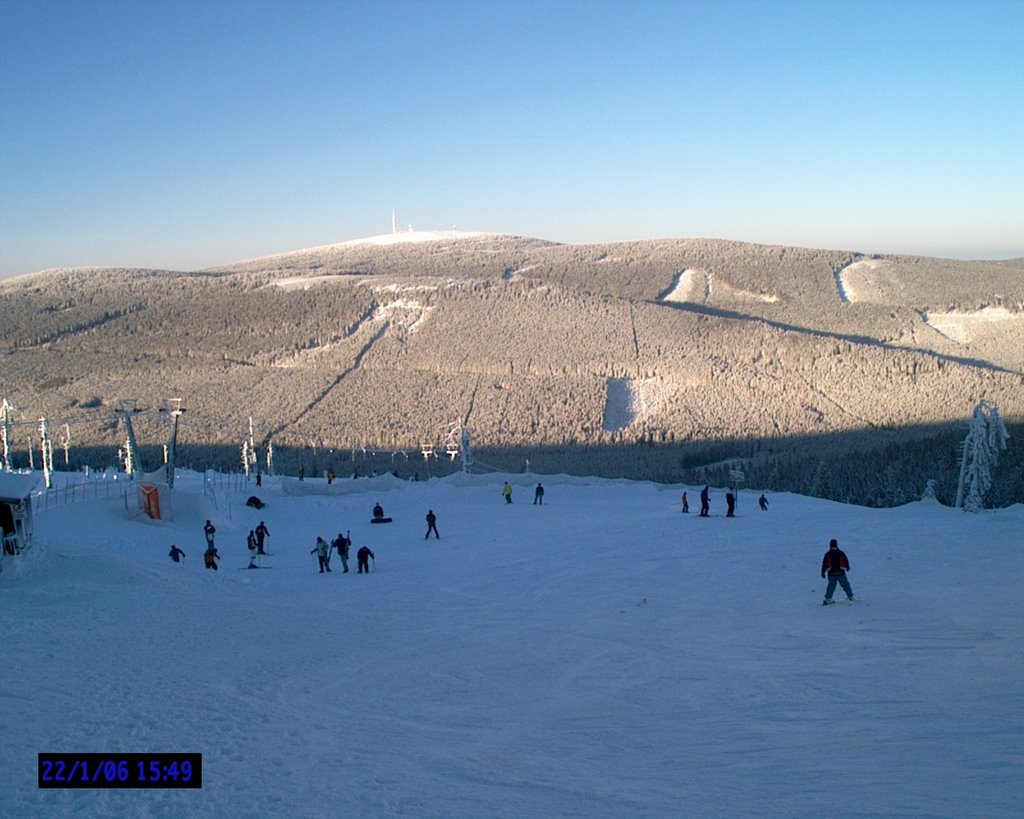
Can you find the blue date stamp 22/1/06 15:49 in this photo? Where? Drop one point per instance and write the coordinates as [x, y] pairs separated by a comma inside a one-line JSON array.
[[113, 770]]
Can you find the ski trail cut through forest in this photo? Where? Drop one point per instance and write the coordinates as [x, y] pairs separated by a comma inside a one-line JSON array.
[[356, 364], [962, 361]]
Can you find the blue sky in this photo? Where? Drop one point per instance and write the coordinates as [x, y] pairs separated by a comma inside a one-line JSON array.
[[189, 134]]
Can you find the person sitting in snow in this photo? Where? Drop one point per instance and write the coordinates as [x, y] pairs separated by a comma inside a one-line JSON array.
[[176, 554], [378, 511], [836, 565], [323, 554]]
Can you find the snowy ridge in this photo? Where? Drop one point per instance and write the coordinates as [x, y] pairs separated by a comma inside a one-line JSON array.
[[599, 655]]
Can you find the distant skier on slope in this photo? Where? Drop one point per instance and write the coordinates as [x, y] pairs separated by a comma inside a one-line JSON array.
[[176, 554], [506, 490], [363, 557], [251, 543], [432, 525], [705, 501], [538, 495], [730, 503], [763, 503], [323, 554], [341, 544], [210, 557], [686, 503], [262, 533], [836, 565], [209, 529]]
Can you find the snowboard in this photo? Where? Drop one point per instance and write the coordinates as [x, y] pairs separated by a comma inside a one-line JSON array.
[[380, 520]]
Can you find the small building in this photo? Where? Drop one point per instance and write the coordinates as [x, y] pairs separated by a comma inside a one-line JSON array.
[[16, 511]]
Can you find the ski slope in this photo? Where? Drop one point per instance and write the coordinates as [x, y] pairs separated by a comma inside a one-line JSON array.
[[602, 655]]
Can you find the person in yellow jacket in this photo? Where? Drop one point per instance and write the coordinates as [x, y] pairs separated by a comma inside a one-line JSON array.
[[507, 492]]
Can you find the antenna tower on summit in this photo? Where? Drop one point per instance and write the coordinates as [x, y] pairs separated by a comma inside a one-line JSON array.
[[394, 225]]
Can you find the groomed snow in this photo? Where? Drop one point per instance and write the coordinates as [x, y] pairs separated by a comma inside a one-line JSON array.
[[413, 236], [602, 655], [962, 327]]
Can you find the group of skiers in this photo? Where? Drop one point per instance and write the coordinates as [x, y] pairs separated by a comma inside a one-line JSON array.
[[730, 502], [834, 565], [538, 494], [341, 545]]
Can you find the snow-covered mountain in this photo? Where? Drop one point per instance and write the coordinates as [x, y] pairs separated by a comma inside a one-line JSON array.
[[600, 655]]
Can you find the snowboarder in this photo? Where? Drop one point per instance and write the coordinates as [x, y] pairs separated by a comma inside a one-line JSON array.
[[262, 533], [378, 511], [836, 565], [259, 479], [210, 557], [538, 495], [686, 503], [330, 476], [176, 554], [432, 524], [730, 503], [251, 543], [209, 529], [763, 503], [323, 554], [341, 544], [363, 556], [302, 473], [507, 492], [705, 501]]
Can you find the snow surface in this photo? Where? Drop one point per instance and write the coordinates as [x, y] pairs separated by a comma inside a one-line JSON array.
[[602, 655], [962, 327], [413, 236]]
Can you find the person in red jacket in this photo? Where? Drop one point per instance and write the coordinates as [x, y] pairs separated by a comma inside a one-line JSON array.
[[836, 565]]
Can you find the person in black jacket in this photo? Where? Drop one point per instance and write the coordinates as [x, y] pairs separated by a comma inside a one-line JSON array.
[[363, 556], [432, 525], [176, 554], [705, 501], [262, 533], [341, 544], [209, 529], [836, 565]]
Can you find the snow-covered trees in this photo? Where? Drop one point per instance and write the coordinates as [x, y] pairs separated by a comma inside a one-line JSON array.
[[986, 436]]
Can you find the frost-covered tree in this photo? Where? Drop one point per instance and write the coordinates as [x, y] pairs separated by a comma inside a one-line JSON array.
[[986, 436]]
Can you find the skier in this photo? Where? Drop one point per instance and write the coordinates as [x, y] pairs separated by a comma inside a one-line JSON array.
[[730, 502], [763, 503], [302, 473], [262, 533], [686, 503], [251, 543], [341, 543], [836, 565], [432, 524], [210, 557], [363, 556], [705, 501], [507, 492], [323, 554], [209, 529], [259, 479], [378, 511], [538, 495], [176, 554]]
